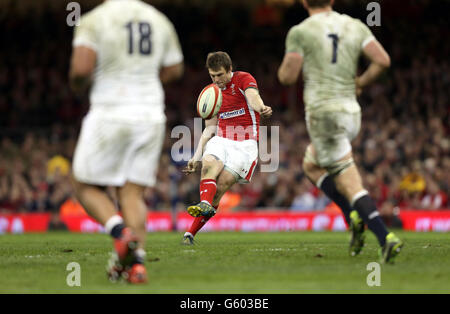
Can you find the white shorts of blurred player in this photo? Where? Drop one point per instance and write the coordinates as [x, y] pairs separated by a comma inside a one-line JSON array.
[[239, 157], [113, 152], [331, 134]]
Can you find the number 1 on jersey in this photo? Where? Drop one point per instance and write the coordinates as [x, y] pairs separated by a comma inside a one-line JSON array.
[[335, 39], [145, 45]]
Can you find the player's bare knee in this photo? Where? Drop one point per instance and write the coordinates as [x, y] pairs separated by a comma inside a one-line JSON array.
[[340, 166], [206, 170], [313, 172], [211, 168]]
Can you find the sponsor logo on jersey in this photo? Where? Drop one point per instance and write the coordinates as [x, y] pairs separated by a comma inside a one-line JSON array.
[[232, 114]]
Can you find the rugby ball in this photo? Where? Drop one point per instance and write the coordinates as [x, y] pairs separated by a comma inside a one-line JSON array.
[[209, 101]]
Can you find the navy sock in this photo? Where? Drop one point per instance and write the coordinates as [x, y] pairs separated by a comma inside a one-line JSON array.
[[368, 211], [328, 186], [377, 226], [116, 232]]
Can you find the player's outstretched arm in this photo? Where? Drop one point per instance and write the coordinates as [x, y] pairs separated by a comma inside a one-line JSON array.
[[208, 132], [82, 66], [290, 68], [380, 61], [257, 104]]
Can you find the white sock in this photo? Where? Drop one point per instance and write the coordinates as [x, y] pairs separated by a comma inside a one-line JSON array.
[[320, 180], [112, 222], [141, 253], [357, 196]]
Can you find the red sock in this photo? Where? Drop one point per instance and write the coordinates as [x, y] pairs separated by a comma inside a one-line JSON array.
[[208, 188], [198, 223]]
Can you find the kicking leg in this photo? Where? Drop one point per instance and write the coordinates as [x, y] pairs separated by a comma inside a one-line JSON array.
[[225, 181], [211, 168]]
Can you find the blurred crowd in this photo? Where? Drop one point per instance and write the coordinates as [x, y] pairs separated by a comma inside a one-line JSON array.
[[402, 149]]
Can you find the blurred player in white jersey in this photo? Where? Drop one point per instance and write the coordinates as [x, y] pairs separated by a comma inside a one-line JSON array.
[[125, 50], [232, 154], [327, 46]]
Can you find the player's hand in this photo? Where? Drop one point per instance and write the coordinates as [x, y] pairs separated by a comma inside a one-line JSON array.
[[192, 166], [266, 112]]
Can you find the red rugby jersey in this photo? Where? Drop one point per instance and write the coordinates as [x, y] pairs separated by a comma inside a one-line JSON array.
[[236, 119]]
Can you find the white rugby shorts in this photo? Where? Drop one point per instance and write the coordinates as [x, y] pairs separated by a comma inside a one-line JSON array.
[[331, 134], [240, 157], [112, 152]]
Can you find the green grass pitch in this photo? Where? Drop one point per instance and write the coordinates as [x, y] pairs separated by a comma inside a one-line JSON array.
[[227, 263]]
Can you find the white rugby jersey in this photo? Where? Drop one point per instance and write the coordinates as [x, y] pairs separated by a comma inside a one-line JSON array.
[[330, 44], [132, 40]]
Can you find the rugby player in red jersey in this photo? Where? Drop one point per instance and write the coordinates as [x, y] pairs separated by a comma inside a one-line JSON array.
[[228, 147]]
